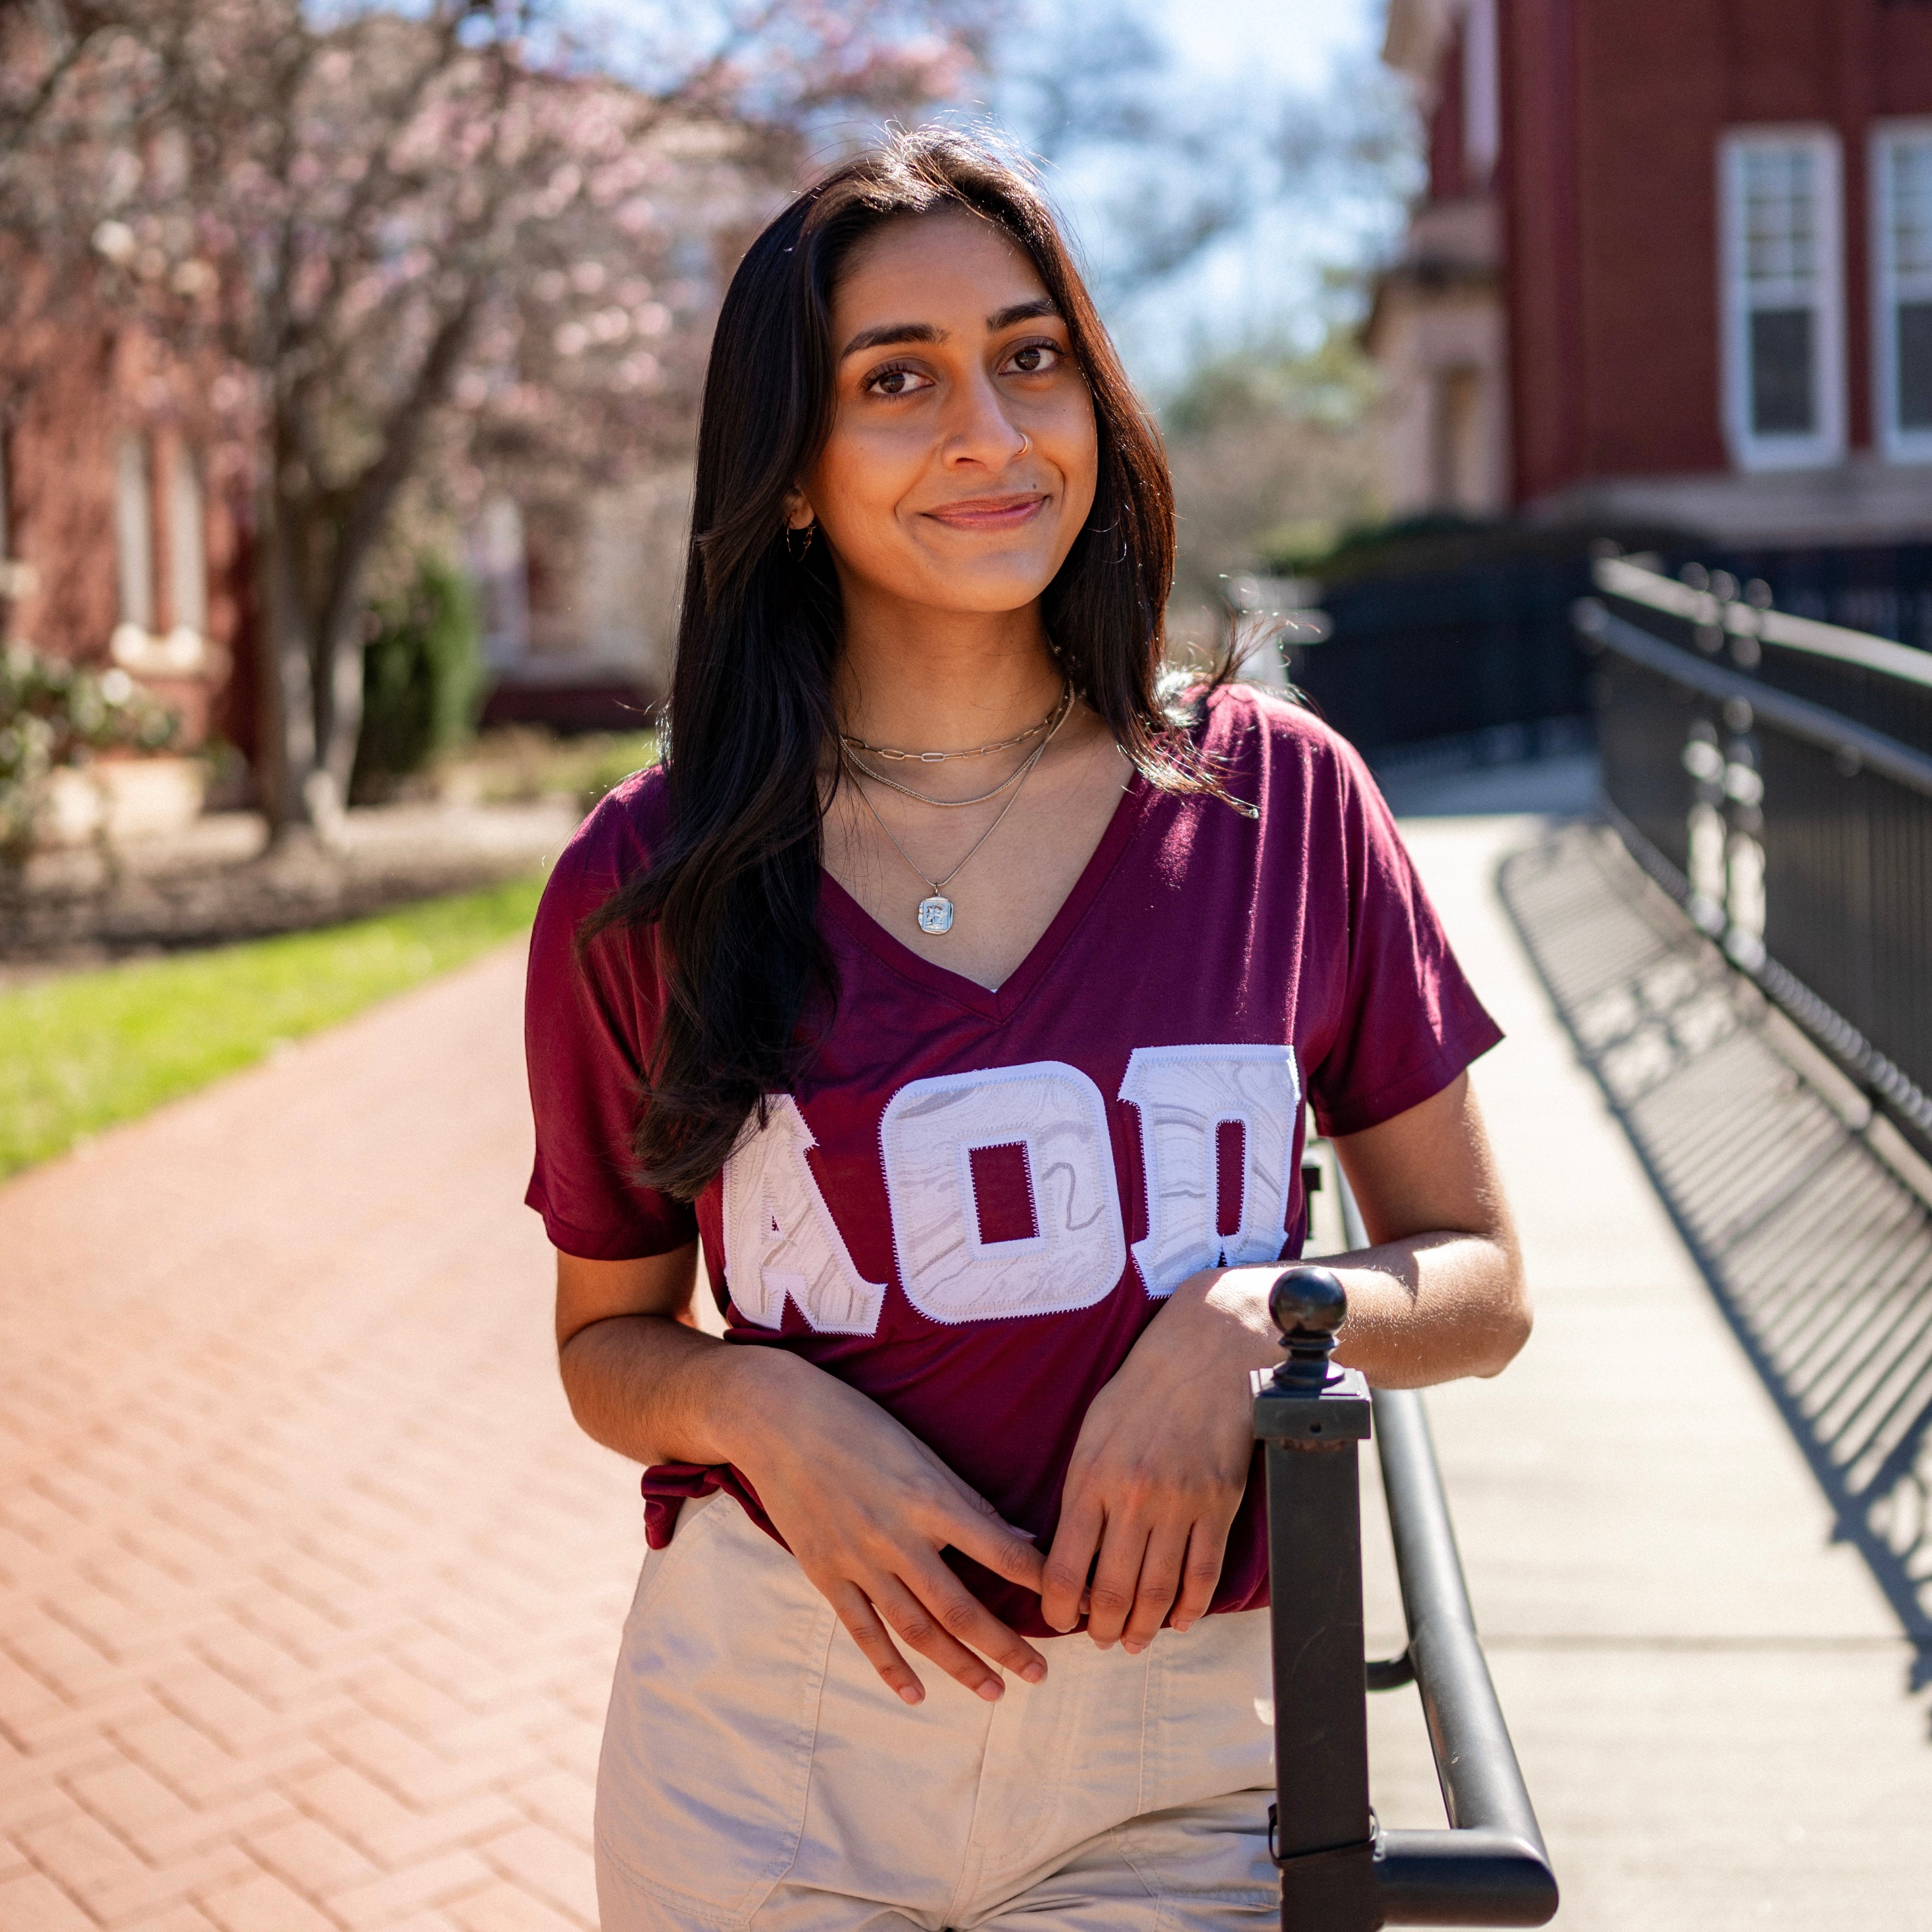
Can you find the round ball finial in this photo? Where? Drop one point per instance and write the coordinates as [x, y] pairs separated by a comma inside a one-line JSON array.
[[1307, 1301]]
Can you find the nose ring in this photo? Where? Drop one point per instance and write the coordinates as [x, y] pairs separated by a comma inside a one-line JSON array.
[[1026, 443]]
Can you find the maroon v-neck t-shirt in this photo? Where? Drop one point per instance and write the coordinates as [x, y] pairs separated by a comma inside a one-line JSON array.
[[974, 1201]]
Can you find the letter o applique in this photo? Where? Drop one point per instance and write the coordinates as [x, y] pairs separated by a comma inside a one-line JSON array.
[[1076, 1252]]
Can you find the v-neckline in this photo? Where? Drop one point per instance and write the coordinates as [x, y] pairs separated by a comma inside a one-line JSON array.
[[998, 1003]]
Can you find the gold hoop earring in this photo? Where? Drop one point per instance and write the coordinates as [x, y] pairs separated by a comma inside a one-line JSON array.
[[797, 553]]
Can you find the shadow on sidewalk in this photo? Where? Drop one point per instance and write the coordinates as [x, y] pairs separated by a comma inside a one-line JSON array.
[[1807, 1215]]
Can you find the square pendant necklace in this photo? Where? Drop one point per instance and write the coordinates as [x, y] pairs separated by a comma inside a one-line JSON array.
[[936, 911]]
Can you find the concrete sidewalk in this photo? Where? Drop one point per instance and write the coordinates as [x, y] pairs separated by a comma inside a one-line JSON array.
[[1709, 1698], [309, 1588]]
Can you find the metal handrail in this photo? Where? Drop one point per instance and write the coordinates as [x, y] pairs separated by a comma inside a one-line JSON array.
[[1815, 723], [1831, 847], [1341, 1871], [1491, 1867], [1617, 576]]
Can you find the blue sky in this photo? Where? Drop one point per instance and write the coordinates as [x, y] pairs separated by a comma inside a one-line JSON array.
[[1258, 282], [1297, 39]]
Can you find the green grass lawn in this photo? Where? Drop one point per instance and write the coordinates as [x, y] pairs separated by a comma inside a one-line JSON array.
[[80, 1052]]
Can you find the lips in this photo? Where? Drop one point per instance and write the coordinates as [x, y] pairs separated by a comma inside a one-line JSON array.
[[990, 513]]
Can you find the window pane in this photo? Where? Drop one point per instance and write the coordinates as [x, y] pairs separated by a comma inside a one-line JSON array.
[[1780, 215], [1915, 365], [134, 532], [188, 565], [1782, 348], [1911, 186]]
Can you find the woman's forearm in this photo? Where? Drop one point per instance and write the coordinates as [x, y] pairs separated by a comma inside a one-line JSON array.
[[1427, 1309], [1431, 1307], [1441, 1292], [657, 1390]]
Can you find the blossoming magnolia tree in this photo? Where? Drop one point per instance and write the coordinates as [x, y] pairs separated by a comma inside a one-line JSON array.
[[454, 244]]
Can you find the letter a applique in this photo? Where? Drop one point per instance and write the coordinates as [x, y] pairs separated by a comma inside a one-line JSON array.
[[780, 1241]]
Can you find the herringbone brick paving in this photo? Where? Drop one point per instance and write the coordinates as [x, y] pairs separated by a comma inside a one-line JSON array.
[[309, 1587]]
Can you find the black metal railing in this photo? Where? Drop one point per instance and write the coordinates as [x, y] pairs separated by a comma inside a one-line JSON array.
[[1775, 774], [1483, 651], [1882, 589], [1869, 680], [1340, 1870]]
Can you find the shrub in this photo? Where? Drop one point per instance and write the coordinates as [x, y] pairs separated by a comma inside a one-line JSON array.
[[55, 714], [422, 678]]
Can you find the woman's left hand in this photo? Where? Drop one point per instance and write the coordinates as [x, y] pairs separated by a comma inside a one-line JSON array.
[[1163, 1455], [1160, 1467]]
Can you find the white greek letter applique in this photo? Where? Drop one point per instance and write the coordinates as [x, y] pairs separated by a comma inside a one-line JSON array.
[[780, 1239], [1184, 1094], [1077, 1249]]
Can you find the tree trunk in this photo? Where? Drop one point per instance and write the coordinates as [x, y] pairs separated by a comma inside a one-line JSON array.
[[286, 754], [342, 666], [320, 643]]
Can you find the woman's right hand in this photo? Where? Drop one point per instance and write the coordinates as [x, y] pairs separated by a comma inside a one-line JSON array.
[[866, 1508]]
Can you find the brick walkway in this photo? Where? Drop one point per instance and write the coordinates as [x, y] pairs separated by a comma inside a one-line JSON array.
[[309, 1588]]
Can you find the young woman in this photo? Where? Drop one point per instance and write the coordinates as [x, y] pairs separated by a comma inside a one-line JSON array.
[[960, 994]]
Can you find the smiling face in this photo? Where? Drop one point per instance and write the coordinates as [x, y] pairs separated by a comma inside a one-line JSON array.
[[963, 451]]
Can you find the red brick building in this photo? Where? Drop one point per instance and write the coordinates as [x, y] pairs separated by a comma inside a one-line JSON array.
[[123, 544], [1674, 264]]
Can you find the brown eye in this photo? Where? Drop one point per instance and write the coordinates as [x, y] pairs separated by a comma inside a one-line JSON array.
[[896, 382], [1036, 358]]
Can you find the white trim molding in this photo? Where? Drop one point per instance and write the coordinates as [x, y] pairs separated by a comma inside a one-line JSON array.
[[182, 652], [1901, 219], [1482, 90], [1782, 295]]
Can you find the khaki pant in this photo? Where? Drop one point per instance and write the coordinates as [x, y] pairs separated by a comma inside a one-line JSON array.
[[756, 1773]]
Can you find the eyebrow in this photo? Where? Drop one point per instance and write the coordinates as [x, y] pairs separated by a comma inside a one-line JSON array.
[[1025, 311], [887, 333], [890, 334]]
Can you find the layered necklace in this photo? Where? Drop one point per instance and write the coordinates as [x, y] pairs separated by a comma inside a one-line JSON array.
[[936, 910]]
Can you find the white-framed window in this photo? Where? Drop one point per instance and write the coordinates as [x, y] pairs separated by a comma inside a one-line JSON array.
[[134, 531], [140, 546], [1901, 198], [187, 553], [1783, 255]]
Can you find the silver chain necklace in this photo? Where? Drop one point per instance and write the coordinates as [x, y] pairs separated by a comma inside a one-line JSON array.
[[1049, 724], [898, 757], [935, 913]]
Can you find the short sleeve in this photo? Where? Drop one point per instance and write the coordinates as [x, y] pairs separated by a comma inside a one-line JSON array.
[[589, 1018], [1407, 1022]]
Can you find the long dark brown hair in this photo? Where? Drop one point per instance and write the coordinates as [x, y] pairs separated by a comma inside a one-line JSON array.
[[732, 890]]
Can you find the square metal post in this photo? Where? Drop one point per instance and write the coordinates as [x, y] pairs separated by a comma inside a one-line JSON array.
[[1311, 1417]]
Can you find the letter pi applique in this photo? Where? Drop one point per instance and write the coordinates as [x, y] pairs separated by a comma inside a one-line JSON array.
[[1183, 1094]]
